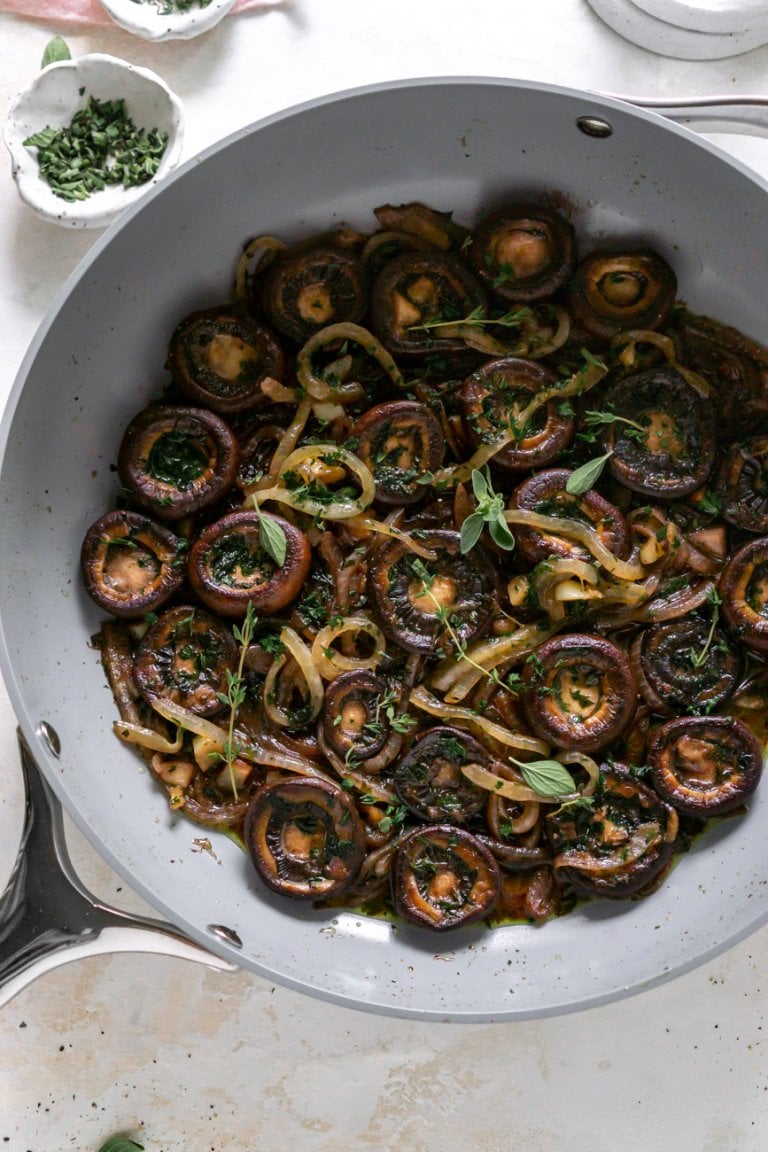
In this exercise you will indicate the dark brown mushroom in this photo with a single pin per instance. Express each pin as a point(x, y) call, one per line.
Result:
point(545, 493)
point(312, 286)
point(130, 564)
point(743, 588)
point(663, 442)
point(256, 451)
point(399, 441)
point(415, 295)
point(705, 765)
point(177, 459)
point(429, 781)
point(686, 665)
point(229, 566)
point(186, 657)
point(579, 691)
point(419, 603)
point(618, 845)
point(305, 838)
point(355, 722)
point(741, 484)
point(444, 877)
point(493, 399)
point(524, 252)
point(218, 358)
point(611, 292)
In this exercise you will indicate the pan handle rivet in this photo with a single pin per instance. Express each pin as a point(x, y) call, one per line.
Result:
point(50, 737)
point(594, 126)
point(228, 935)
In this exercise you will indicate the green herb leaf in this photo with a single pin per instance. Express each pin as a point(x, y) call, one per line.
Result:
point(273, 540)
point(471, 531)
point(501, 535)
point(585, 477)
point(547, 777)
point(120, 1144)
point(55, 49)
point(479, 485)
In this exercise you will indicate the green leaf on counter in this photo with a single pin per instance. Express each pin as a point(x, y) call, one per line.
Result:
point(120, 1144)
point(55, 49)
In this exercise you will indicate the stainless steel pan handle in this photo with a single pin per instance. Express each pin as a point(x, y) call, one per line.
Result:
point(740, 115)
point(47, 915)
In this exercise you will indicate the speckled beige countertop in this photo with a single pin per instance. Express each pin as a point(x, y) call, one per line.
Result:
point(182, 1057)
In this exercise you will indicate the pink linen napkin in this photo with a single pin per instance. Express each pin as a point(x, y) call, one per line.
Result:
point(90, 11)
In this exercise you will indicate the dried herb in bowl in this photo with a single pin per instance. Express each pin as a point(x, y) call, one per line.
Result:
point(100, 146)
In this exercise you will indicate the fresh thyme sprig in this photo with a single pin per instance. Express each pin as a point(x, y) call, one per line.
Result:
point(234, 696)
point(713, 598)
point(593, 419)
point(477, 319)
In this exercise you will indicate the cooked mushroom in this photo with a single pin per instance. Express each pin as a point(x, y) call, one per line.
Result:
point(186, 657)
point(309, 287)
point(663, 440)
point(429, 781)
point(421, 604)
point(493, 401)
point(229, 566)
point(614, 291)
point(545, 492)
point(305, 838)
point(705, 765)
point(219, 356)
point(130, 564)
point(616, 846)
point(443, 877)
point(417, 294)
point(686, 665)
point(523, 252)
point(579, 691)
point(400, 441)
point(177, 459)
point(743, 587)
point(742, 484)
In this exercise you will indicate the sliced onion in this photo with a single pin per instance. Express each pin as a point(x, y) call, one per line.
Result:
point(147, 737)
point(301, 458)
point(294, 647)
point(330, 663)
point(458, 675)
point(509, 789)
point(465, 716)
point(643, 838)
point(286, 445)
point(269, 246)
point(317, 384)
point(628, 340)
point(368, 524)
point(576, 530)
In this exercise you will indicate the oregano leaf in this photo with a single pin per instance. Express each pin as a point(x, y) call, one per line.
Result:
point(500, 533)
point(471, 531)
point(547, 777)
point(273, 540)
point(585, 477)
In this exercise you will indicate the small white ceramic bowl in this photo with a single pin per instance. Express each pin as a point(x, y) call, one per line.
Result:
point(146, 18)
point(58, 92)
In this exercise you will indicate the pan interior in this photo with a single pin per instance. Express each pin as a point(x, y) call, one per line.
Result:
point(457, 145)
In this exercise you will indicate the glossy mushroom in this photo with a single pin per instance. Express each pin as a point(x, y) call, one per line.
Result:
point(186, 657)
point(705, 765)
point(686, 665)
point(443, 877)
point(579, 691)
point(305, 838)
point(663, 443)
point(617, 846)
point(523, 252)
point(493, 401)
point(219, 356)
point(229, 566)
point(177, 459)
point(743, 588)
point(741, 484)
point(130, 564)
point(429, 780)
point(419, 603)
point(400, 441)
point(545, 493)
point(611, 292)
point(310, 287)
